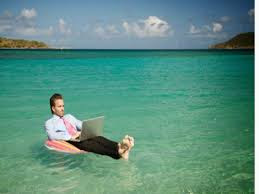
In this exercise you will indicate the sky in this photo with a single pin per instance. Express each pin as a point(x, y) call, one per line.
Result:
point(126, 24)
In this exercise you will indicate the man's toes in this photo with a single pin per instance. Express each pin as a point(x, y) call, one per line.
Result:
point(131, 140)
point(125, 141)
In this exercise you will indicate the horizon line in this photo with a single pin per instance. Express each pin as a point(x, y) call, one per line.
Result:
point(121, 49)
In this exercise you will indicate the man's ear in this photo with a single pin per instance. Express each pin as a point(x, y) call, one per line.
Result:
point(52, 108)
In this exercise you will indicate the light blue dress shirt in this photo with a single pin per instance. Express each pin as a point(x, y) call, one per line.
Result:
point(56, 129)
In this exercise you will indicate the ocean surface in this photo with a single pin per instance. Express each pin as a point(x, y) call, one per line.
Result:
point(191, 113)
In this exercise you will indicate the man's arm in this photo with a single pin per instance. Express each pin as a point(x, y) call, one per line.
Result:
point(75, 137)
point(56, 134)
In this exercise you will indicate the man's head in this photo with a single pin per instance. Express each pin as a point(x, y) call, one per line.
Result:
point(57, 105)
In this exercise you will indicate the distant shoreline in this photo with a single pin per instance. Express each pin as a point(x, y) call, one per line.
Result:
point(205, 49)
point(240, 41)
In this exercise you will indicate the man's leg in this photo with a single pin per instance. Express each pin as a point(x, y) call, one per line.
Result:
point(99, 145)
point(106, 142)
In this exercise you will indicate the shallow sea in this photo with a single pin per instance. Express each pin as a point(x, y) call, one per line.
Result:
point(191, 113)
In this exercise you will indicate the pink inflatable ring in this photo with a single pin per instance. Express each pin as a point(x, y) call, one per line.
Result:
point(62, 146)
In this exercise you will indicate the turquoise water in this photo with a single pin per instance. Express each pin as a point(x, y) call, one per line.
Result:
point(191, 113)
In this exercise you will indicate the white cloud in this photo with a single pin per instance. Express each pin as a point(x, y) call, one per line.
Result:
point(100, 31)
point(107, 32)
point(217, 27)
point(194, 30)
point(33, 31)
point(126, 27)
point(5, 28)
point(206, 31)
point(22, 24)
point(225, 19)
point(63, 28)
point(251, 12)
point(30, 31)
point(6, 22)
point(28, 13)
point(210, 35)
point(112, 29)
point(151, 27)
point(214, 30)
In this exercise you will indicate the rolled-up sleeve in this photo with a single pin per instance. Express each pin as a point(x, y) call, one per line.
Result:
point(55, 134)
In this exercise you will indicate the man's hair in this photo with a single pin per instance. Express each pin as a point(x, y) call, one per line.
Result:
point(52, 100)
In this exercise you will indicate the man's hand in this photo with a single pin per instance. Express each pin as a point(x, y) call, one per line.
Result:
point(74, 137)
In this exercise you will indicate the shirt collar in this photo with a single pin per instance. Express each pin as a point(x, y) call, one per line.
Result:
point(56, 116)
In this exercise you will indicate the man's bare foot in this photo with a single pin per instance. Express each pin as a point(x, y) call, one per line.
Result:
point(123, 150)
point(125, 146)
point(129, 141)
point(125, 155)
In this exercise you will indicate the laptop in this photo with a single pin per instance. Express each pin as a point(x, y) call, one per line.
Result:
point(91, 128)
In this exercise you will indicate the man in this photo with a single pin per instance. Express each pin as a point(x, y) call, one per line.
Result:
point(67, 127)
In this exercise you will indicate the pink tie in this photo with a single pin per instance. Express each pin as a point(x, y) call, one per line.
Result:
point(70, 128)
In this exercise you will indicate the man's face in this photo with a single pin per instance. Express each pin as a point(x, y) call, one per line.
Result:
point(58, 109)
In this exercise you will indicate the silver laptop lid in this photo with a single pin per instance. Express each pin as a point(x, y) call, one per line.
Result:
point(92, 127)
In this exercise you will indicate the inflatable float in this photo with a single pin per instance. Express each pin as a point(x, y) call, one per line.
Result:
point(62, 146)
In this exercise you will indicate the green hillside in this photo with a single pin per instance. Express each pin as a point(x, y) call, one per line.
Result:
point(241, 41)
point(19, 43)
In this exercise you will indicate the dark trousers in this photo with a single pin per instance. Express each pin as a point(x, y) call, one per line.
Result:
point(98, 145)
